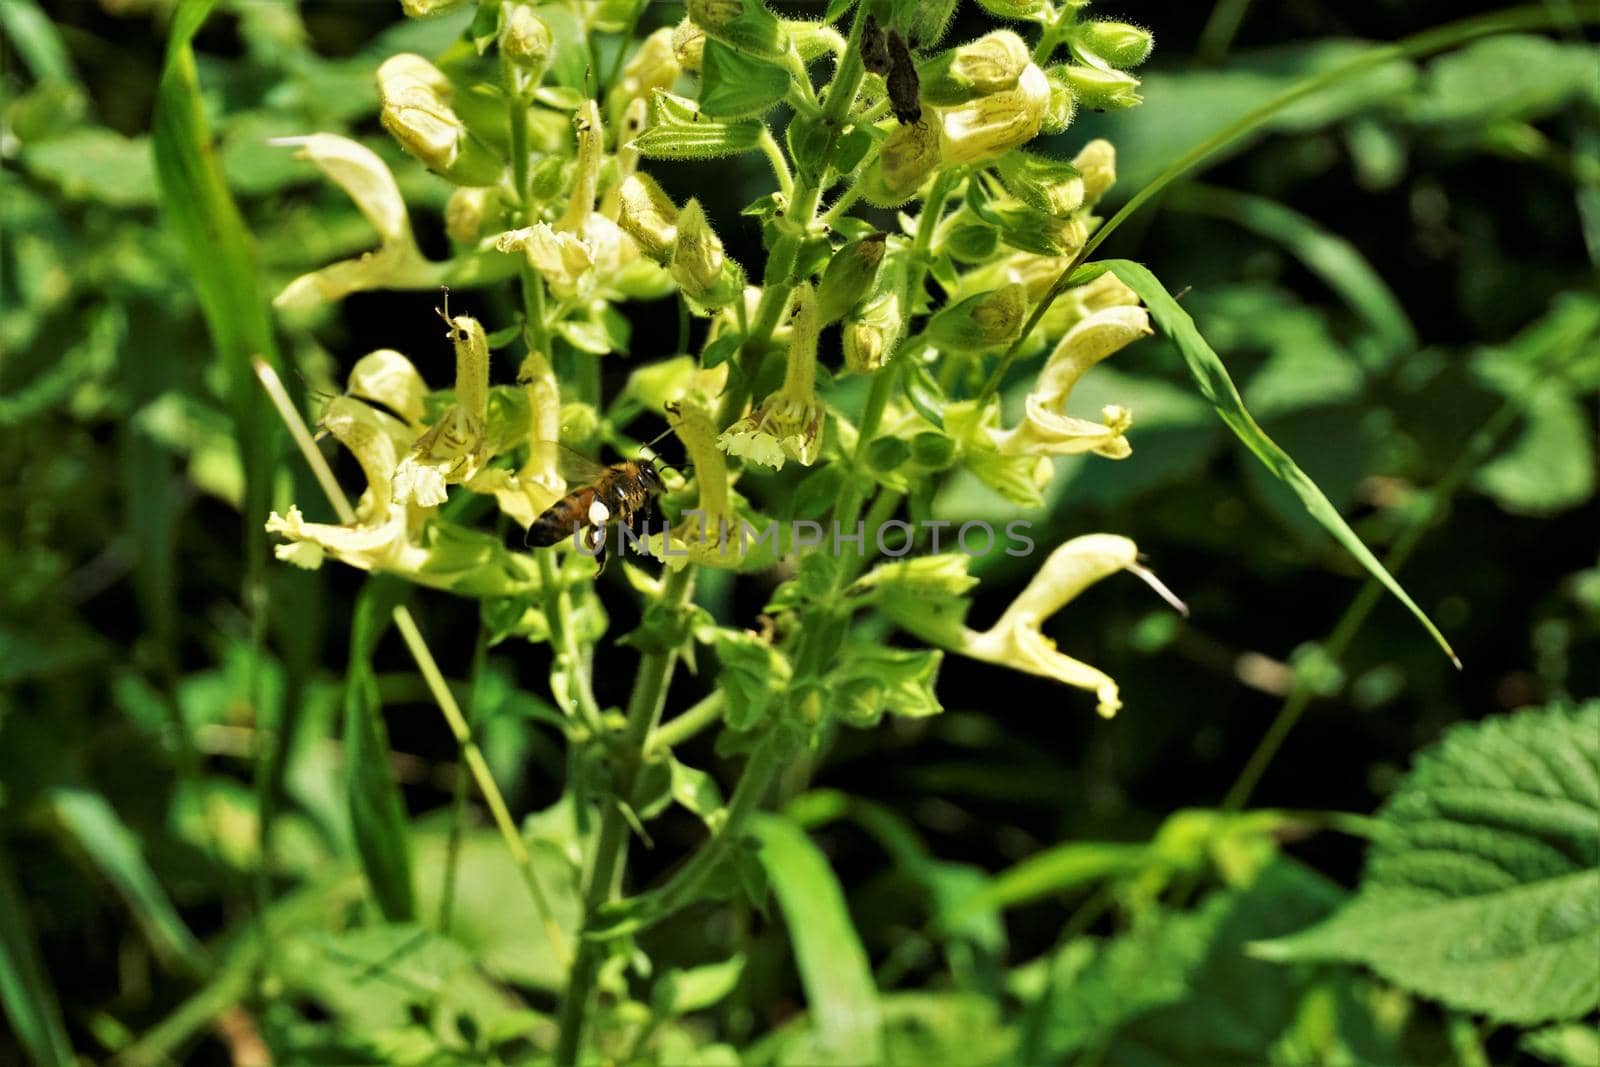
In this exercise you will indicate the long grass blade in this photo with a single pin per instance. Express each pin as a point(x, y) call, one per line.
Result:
point(1215, 385)
point(25, 990)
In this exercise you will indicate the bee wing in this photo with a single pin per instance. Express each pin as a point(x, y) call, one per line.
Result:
point(575, 467)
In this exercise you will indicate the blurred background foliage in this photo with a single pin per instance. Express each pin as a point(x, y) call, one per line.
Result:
point(1401, 274)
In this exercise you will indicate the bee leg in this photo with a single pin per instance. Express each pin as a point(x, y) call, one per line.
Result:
point(597, 541)
point(639, 524)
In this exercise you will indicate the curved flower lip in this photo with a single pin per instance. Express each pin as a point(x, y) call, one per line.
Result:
point(397, 263)
point(992, 125)
point(1016, 639)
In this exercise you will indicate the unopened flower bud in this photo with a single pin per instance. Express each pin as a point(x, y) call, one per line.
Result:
point(744, 25)
point(689, 45)
point(524, 38)
point(698, 264)
point(646, 214)
point(416, 110)
point(982, 321)
point(464, 213)
point(1103, 90)
point(871, 330)
point(991, 64)
point(814, 39)
point(1062, 107)
point(992, 125)
point(1097, 162)
point(850, 273)
point(1118, 43)
point(909, 155)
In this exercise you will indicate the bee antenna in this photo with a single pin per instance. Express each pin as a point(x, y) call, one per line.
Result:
point(650, 443)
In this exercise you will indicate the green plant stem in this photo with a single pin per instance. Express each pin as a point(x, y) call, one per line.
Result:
point(644, 712)
point(680, 729)
point(1531, 17)
point(780, 166)
point(1220, 28)
point(563, 638)
point(458, 796)
point(803, 197)
point(1344, 631)
point(431, 674)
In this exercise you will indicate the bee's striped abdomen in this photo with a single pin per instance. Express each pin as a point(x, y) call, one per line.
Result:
point(563, 518)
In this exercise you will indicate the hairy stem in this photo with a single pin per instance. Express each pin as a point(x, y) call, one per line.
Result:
point(644, 712)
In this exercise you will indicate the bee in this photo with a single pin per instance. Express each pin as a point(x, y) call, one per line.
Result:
point(623, 493)
point(886, 54)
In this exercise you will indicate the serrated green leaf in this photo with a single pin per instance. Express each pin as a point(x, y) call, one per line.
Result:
point(1483, 888)
point(1215, 385)
point(840, 994)
point(734, 85)
point(678, 130)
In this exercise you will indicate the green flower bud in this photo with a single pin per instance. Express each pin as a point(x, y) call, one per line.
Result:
point(524, 38)
point(982, 321)
point(992, 125)
point(745, 25)
point(850, 272)
point(991, 64)
point(814, 40)
point(1118, 43)
point(909, 155)
point(416, 111)
point(698, 264)
point(1103, 90)
point(872, 330)
point(647, 214)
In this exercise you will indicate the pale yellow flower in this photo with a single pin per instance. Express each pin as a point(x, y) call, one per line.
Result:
point(397, 263)
point(990, 126)
point(789, 422)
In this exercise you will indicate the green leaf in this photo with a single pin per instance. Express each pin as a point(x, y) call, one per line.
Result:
point(752, 671)
point(678, 130)
point(25, 990)
point(734, 85)
point(1571, 1044)
point(1179, 988)
point(114, 849)
point(377, 810)
point(837, 8)
point(922, 392)
point(1059, 869)
point(34, 36)
point(696, 790)
point(873, 680)
point(1215, 385)
point(96, 164)
point(1482, 889)
point(840, 994)
point(1506, 78)
point(697, 988)
point(202, 215)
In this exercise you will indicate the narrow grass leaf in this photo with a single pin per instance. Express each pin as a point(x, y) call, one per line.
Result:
point(112, 847)
point(1215, 385)
point(34, 36)
point(25, 990)
point(377, 811)
point(1065, 867)
point(833, 966)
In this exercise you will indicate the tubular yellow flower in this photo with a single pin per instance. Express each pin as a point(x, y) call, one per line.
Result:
point(789, 422)
point(1097, 162)
point(698, 264)
point(396, 264)
point(654, 66)
point(648, 215)
point(538, 484)
point(992, 125)
point(416, 110)
point(1017, 641)
point(1046, 430)
point(909, 154)
point(991, 64)
point(386, 377)
point(454, 449)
